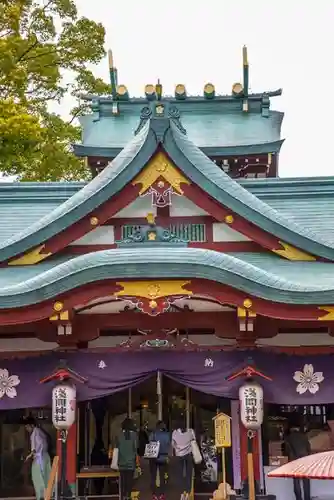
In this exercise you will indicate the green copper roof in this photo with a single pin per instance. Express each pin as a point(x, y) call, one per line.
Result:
point(209, 124)
point(306, 200)
point(196, 166)
point(287, 282)
point(201, 170)
point(87, 199)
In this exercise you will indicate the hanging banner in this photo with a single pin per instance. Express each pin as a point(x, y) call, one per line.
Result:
point(63, 405)
point(236, 459)
point(305, 380)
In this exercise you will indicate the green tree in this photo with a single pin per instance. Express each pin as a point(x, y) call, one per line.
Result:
point(45, 48)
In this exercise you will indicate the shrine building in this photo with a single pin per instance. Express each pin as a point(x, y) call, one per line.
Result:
point(185, 259)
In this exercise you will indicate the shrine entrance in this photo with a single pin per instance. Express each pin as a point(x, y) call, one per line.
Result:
point(158, 398)
point(99, 423)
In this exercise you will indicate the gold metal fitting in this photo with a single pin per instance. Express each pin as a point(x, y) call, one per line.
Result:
point(229, 219)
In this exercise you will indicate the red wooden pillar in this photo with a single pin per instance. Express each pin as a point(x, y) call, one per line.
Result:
point(71, 459)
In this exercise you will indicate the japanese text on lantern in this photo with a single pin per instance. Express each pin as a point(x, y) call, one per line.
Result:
point(251, 404)
point(60, 408)
point(222, 424)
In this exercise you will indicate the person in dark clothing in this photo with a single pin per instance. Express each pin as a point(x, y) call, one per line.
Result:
point(127, 453)
point(99, 456)
point(161, 462)
point(142, 441)
point(297, 445)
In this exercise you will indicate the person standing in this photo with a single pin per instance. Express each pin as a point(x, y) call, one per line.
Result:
point(39, 454)
point(160, 463)
point(297, 445)
point(127, 454)
point(181, 443)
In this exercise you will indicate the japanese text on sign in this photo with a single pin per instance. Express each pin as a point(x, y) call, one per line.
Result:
point(222, 424)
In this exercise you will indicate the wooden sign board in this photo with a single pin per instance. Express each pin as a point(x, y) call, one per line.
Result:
point(222, 425)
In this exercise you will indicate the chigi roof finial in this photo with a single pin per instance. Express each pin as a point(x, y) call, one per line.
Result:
point(158, 90)
point(113, 74)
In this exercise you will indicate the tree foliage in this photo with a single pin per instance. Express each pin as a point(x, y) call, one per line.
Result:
point(45, 48)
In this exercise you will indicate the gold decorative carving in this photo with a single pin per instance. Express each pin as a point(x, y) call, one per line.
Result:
point(160, 109)
point(58, 306)
point(330, 313)
point(33, 257)
point(248, 303)
point(152, 236)
point(150, 217)
point(63, 316)
point(152, 290)
point(243, 313)
point(291, 253)
point(160, 166)
point(229, 219)
point(94, 221)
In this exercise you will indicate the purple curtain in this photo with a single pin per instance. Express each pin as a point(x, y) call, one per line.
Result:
point(295, 379)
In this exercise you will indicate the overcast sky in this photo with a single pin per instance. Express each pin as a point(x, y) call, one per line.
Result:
point(290, 45)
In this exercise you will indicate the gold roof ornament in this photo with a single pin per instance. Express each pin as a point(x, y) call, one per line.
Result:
point(229, 219)
point(122, 92)
point(237, 89)
point(209, 91)
point(159, 109)
point(158, 90)
point(150, 91)
point(180, 91)
point(247, 303)
point(150, 217)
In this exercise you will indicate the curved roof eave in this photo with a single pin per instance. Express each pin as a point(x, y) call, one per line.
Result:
point(246, 149)
point(92, 195)
point(172, 263)
point(227, 191)
point(196, 166)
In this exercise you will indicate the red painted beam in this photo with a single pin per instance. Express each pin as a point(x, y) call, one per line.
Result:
point(222, 293)
point(219, 212)
point(162, 220)
point(84, 226)
point(184, 320)
point(229, 246)
point(218, 246)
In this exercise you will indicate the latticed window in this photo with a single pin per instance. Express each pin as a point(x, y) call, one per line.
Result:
point(186, 232)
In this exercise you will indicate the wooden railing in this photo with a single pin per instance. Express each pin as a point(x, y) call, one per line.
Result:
point(53, 480)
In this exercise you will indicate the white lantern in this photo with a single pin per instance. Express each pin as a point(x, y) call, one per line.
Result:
point(64, 398)
point(251, 405)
